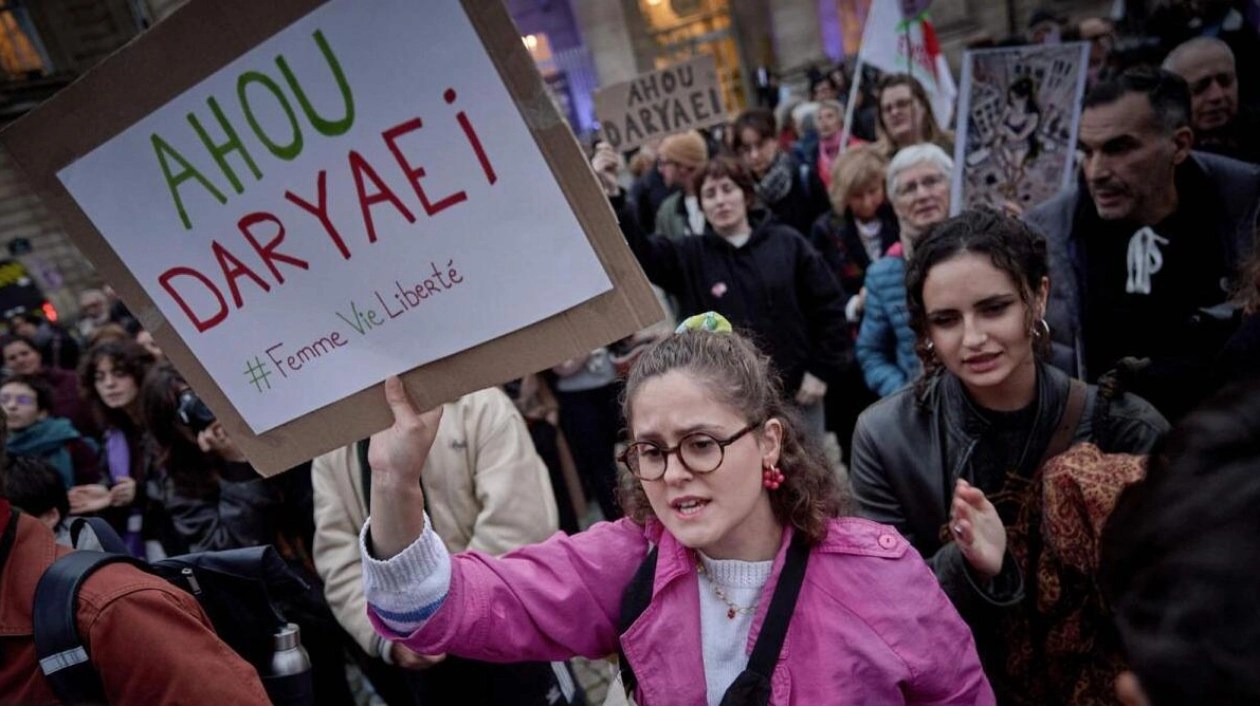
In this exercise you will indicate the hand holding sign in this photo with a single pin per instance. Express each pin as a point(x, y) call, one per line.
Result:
point(606, 164)
point(397, 456)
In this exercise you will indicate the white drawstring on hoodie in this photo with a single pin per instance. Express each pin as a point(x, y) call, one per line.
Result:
point(1145, 259)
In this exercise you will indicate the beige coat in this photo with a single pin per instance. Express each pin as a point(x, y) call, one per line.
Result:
point(485, 487)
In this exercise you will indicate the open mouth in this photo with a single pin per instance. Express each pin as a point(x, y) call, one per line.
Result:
point(688, 507)
point(981, 363)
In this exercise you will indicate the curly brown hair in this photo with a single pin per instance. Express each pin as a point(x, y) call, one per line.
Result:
point(127, 357)
point(1010, 244)
point(742, 378)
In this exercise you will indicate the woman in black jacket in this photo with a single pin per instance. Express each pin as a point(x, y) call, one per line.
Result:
point(760, 274)
point(792, 190)
point(205, 495)
point(945, 461)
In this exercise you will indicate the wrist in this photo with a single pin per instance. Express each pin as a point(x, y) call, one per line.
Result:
point(395, 482)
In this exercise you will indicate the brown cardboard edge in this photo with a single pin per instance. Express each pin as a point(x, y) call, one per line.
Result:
point(71, 124)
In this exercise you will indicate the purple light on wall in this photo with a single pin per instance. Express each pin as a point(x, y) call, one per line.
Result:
point(829, 28)
point(555, 19)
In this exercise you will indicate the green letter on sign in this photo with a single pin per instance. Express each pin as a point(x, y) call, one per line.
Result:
point(327, 127)
point(284, 152)
point(187, 171)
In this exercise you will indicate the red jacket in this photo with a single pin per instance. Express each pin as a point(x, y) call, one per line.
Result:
point(150, 642)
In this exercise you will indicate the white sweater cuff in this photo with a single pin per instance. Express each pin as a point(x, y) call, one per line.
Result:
point(408, 588)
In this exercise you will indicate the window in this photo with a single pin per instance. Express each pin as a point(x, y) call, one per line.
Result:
point(22, 55)
point(682, 29)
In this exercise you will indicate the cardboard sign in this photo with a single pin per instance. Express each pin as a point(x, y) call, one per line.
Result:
point(1018, 118)
point(300, 198)
point(683, 97)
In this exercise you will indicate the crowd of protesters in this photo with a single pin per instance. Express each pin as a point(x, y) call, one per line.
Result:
point(1046, 421)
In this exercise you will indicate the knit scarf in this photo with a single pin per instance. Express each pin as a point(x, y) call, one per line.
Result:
point(47, 439)
point(777, 182)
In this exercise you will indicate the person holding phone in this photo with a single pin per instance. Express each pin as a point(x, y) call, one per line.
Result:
point(204, 494)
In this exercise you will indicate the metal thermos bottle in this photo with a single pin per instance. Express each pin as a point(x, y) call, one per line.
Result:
point(289, 680)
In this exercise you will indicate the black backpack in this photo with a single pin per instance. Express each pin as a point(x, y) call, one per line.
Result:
point(236, 588)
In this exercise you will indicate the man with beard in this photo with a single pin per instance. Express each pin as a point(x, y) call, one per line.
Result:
point(1143, 254)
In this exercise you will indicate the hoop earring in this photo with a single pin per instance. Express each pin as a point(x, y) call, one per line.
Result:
point(1040, 329)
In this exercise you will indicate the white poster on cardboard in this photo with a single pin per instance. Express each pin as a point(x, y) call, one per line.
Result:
point(353, 198)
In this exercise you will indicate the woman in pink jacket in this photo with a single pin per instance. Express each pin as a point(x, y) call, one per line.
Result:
point(730, 505)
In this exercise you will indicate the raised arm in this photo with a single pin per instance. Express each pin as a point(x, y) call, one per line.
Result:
point(658, 255)
point(542, 602)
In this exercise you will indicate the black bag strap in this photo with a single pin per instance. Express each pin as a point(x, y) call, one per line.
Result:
point(634, 601)
point(104, 532)
point(62, 656)
point(1068, 422)
point(765, 654)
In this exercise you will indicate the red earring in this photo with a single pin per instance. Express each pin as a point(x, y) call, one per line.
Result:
point(772, 478)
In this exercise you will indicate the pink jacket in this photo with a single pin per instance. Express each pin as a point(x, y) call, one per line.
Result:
point(871, 626)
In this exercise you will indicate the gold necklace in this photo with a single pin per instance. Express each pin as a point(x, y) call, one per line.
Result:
point(732, 609)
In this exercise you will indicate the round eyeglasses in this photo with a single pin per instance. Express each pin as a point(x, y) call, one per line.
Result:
point(698, 452)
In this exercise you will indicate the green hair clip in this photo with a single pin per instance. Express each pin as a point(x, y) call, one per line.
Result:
point(709, 321)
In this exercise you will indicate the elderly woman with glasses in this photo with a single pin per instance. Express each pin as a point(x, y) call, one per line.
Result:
point(729, 509)
point(918, 183)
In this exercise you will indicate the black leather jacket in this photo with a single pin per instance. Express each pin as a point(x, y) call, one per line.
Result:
point(907, 456)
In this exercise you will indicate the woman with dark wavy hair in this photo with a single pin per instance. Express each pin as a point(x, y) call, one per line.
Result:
point(204, 493)
point(109, 378)
point(728, 504)
point(946, 461)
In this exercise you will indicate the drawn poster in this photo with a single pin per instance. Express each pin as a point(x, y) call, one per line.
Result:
point(1018, 115)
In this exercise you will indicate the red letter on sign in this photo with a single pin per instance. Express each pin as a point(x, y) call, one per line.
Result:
point(321, 212)
point(362, 169)
point(414, 174)
point(268, 252)
point(202, 324)
point(237, 269)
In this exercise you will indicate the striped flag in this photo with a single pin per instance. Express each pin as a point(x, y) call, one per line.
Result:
point(897, 41)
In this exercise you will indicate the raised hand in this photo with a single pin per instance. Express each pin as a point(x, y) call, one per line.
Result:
point(215, 440)
point(978, 529)
point(606, 163)
point(397, 455)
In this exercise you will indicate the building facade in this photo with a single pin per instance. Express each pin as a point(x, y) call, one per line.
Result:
point(751, 37)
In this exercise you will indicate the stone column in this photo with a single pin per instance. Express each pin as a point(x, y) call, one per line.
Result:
point(797, 41)
point(605, 30)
